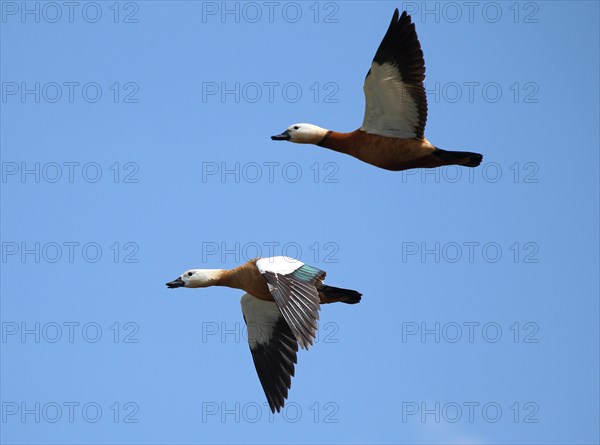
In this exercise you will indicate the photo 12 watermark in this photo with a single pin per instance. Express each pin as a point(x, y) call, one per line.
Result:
point(69, 412)
point(514, 172)
point(522, 12)
point(270, 12)
point(69, 172)
point(239, 332)
point(255, 412)
point(490, 92)
point(74, 332)
point(61, 12)
point(253, 92)
point(51, 252)
point(70, 92)
point(315, 252)
point(270, 172)
point(470, 332)
point(491, 252)
point(486, 412)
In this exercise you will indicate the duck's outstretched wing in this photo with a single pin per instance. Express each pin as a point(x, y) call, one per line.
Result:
point(396, 104)
point(292, 285)
point(273, 347)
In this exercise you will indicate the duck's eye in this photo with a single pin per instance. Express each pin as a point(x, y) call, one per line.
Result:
point(296, 127)
point(190, 274)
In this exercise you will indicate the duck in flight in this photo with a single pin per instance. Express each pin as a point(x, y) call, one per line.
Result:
point(392, 133)
point(281, 309)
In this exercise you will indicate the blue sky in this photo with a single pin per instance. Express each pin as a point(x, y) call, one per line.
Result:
point(135, 145)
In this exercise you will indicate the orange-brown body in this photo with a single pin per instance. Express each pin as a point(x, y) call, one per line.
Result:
point(386, 152)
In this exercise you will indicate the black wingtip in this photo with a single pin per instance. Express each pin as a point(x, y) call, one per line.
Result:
point(274, 363)
point(397, 18)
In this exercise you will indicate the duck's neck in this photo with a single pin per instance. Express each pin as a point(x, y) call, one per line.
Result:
point(340, 142)
point(212, 277)
point(234, 278)
point(221, 277)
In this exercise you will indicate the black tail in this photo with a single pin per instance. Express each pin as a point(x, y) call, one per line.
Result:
point(465, 158)
point(335, 294)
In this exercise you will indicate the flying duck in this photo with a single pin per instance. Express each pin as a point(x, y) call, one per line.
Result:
point(392, 133)
point(280, 307)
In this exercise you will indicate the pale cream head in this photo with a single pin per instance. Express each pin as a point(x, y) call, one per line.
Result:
point(302, 134)
point(196, 278)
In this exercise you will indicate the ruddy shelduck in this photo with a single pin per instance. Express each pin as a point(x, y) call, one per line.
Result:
point(281, 310)
point(392, 134)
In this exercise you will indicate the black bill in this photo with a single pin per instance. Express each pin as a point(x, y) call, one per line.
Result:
point(285, 136)
point(175, 283)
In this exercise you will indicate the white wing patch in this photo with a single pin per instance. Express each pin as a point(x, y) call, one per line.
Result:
point(390, 110)
point(261, 318)
point(281, 265)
